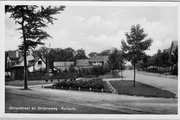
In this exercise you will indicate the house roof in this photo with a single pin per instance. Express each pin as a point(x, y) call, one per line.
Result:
point(63, 64)
point(12, 54)
point(32, 62)
point(99, 58)
point(82, 62)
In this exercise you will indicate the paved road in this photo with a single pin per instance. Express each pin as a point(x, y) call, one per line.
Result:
point(90, 101)
point(165, 83)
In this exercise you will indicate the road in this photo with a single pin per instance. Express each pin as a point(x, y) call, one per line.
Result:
point(85, 102)
point(166, 83)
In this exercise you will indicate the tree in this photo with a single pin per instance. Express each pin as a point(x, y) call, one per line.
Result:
point(72, 69)
point(105, 52)
point(144, 62)
point(69, 54)
point(32, 19)
point(42, 51)
point(136, 45)
point(80, 54)
point(115, 59)
point(92, 54)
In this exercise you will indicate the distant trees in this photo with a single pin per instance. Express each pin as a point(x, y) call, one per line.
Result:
point(80, 54)
point(92, 54)
point(66, 54)
point(136, 45)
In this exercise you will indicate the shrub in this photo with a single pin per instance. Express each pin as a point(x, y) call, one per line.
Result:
point(92, 83)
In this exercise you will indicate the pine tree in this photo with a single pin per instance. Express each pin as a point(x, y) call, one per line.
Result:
point(32, 19)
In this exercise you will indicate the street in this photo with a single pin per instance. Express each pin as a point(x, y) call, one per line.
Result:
point(83, 102)
point(166, 83)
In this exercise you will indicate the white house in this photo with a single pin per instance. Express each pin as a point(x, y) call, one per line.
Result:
point(36, 64)
point(33, 63)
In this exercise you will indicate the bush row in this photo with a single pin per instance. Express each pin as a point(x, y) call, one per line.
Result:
point(83, 84)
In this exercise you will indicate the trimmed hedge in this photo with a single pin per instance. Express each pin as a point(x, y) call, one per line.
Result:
point(92, 83)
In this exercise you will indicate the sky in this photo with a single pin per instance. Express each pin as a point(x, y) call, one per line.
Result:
point(97, 28)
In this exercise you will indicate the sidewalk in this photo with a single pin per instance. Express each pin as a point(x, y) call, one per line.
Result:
point(158, 75)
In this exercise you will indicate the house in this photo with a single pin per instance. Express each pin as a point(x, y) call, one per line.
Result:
point(98, 60)
point(11, 59)
point(33, 64)
point(63, 65)
point(91, 63)
point(37, 64)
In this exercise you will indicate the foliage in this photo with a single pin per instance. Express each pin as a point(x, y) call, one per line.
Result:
point(80, 54)
point(136, 45)
point(92, 54)
point(72, 69)
point(115, 60)
point(83, 84)
point(105, 52)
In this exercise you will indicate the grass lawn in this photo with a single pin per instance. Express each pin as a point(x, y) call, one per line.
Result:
point(126, 88)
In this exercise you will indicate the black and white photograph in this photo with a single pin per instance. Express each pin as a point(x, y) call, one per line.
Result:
point(87, 58)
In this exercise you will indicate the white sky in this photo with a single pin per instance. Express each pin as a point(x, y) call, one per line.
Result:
point(97, 28)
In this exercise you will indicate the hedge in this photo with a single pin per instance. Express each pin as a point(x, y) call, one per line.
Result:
point(92, 83)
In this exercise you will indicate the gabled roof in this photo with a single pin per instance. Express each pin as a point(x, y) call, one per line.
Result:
point(12, 54)
point(32, 62)
point(63, 64)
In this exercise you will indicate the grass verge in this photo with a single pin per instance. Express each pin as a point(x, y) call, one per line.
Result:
point(126, 88)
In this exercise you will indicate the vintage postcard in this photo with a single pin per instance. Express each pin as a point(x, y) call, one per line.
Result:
point(90, 59)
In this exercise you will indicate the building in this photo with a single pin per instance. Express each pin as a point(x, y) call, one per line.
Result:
point(92, 62)
point(11, 58)
point(63, 66)
point(98, 60)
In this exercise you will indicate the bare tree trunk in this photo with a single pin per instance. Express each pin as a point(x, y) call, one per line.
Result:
point(134, 73)
point(25, 60)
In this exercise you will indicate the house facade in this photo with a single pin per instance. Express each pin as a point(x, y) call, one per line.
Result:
point(11, 58)
point(91, 63)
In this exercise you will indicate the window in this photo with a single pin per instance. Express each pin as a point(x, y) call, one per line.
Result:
point(39, 62)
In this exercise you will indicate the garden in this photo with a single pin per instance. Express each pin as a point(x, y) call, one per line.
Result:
point(84, 84)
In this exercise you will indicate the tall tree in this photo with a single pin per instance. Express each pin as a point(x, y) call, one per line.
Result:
point(136, 45)
point(32, 19)
point(80, 54)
